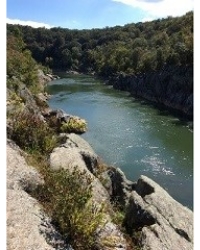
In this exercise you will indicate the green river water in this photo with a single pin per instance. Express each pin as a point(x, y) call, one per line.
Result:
point(130, 134)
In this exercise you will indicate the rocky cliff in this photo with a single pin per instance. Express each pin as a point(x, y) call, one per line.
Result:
point(172, 87)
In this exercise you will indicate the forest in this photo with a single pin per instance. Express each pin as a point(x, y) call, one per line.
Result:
point(132, 48)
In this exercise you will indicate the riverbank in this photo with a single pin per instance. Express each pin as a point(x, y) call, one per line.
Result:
point(170, 88)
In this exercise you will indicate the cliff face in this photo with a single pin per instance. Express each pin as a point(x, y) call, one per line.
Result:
point(171, 87)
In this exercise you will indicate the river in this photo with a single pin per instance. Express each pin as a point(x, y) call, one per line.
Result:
point(131, 134)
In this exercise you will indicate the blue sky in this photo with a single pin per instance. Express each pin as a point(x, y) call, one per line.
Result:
point(81, 14)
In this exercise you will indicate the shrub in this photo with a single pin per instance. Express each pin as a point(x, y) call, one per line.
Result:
point(31, 133)
point(68, 202)
point(74, 125)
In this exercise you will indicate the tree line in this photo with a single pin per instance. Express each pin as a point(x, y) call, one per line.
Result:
point(132, 48)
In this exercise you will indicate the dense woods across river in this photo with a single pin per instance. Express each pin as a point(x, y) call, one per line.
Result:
point(133, 48)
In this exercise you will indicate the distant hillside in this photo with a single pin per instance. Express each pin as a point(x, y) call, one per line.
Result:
point(133, 48)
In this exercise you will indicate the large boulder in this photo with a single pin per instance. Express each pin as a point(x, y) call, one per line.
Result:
point(74, 152)
point(164, 223)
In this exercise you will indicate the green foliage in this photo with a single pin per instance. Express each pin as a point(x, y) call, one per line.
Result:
point(74, 125)
point(107, 51)
point(20, 63)
point(33, 134)
point(68, 201)
point(118, 217)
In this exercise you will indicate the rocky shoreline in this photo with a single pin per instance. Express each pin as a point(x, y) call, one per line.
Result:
point(171, 87)
point(150, 212)
point(162, 222)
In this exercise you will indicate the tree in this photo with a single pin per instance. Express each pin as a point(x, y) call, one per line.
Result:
point(160, 58)
point(136, 55)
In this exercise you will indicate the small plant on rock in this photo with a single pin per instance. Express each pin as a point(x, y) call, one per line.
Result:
point(33, 134)
point(68, 202)
point(74, 125)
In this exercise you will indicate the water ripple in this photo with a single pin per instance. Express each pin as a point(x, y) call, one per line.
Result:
point(157, 166)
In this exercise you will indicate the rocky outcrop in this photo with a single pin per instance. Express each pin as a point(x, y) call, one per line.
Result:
point(117, 185)
point(163, 222)
point(76, 153)
point(45, 78)
point(73, 72)
point(171, 87)
point(27, 225)
point(65, 122)
point(22, 102)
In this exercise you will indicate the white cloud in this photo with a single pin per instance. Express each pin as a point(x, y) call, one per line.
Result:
point(161, 8)
point(28, 23)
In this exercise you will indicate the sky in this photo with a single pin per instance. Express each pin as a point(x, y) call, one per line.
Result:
point(87, 14)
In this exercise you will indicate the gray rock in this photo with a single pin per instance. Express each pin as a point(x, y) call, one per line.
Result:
point(106, 181)
point(110, 238)
point(117, 185)
point(27, 225)
point(73, 72)
point(88, 154)
point(80, 142)
point(66, 158)
point(19, 175)
point(59, 114)
point(52, 77)
point(81, 147)
point(41, 99)
point(164, 223)
point(72, 155)
point(43, 79)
